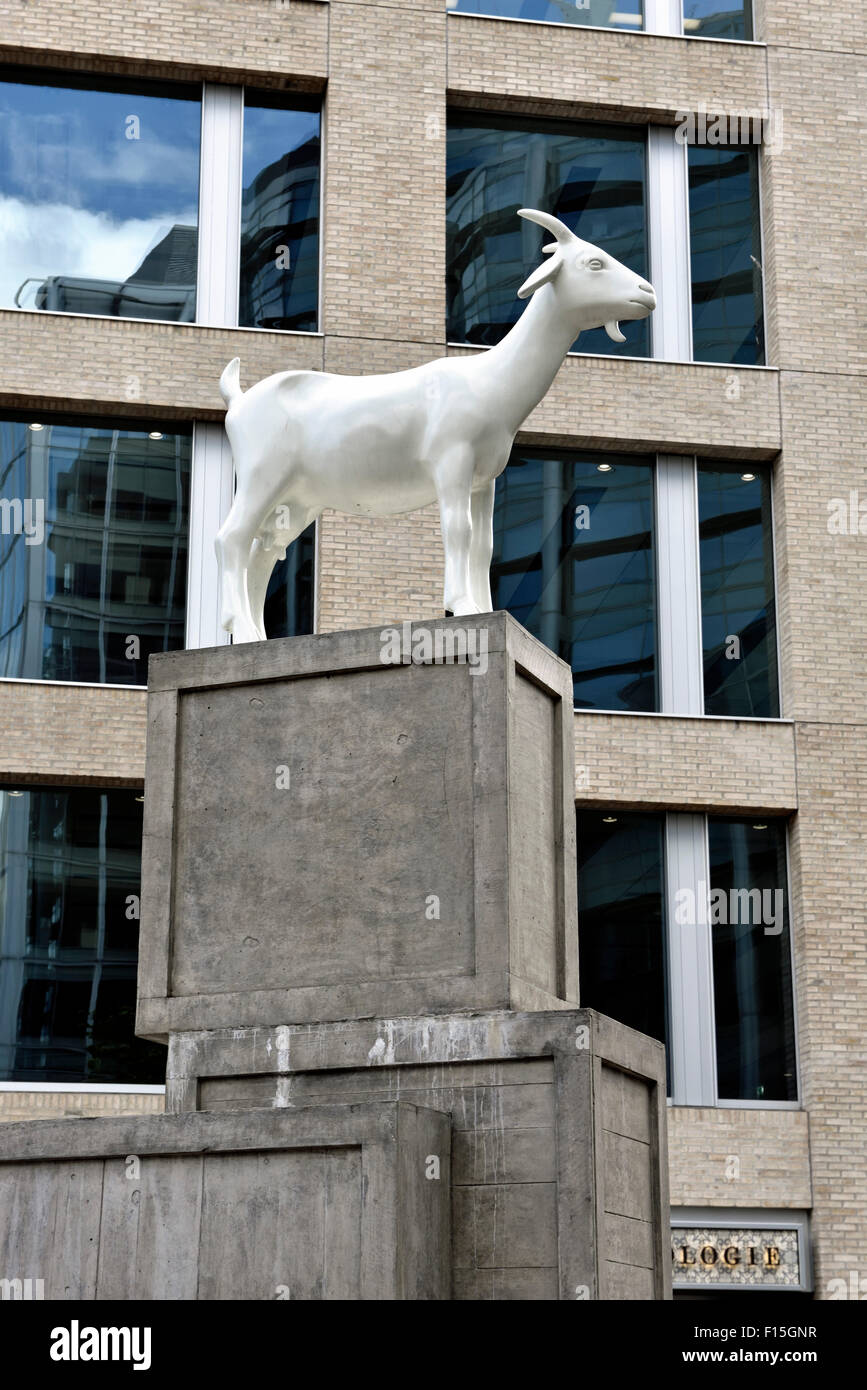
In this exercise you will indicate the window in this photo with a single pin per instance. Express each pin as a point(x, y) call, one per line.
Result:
point(718, 19)
point(592, 177)
point(739, 635)
point(684, 934)
point(613, 14)
point(725, 251)
point(99, 183)
point(752, 961)
point(69, 893)
point(574, 562)
point(621, 916)
point(93, 549)
point(280, 214)
point(289, 599)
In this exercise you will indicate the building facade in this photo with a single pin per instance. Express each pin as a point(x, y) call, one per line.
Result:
point(333, 186)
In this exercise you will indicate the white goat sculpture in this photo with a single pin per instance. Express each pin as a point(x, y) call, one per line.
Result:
point(303, 441)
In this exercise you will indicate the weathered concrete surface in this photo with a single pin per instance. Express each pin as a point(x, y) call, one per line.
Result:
point(334, 1202)
point(559, 1152)
point(328, 835)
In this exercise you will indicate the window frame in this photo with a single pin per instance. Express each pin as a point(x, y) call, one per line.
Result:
point(221, 144)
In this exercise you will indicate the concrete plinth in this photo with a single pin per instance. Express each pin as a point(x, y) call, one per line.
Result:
point(329, 835)
point(335, 1202)
point(559, 1157)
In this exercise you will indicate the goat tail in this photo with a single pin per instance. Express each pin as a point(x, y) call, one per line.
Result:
point(230, 382)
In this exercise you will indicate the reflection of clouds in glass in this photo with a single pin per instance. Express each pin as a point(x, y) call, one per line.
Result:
point(55, 239)
point(93, 164)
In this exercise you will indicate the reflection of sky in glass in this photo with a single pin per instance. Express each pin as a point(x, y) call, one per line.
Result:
point(79, 198)
point(717, 19)
point(725, 249)
point(615, 14)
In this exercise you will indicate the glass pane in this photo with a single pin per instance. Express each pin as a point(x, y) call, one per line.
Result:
point(289, 598)
point(738, 609)
point(621, 924)
point(99, 195)
point(609, 14)
point(69, 891)
point(725, 253)
point(280, 214)
point(718, 19)
point(574, 562)
point(93, 553)
point(591, 177)
point(752, 961)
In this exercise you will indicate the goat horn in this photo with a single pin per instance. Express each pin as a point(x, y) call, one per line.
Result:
point(558, 229)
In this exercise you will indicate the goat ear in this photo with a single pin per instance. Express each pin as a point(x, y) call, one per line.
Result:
point(558, 229)
point(541, 275)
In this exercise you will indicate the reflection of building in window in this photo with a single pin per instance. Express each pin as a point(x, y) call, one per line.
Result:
point(69, 890)
point(280, 242)
point(163, 286)
point(607, 14)
point(113, 562)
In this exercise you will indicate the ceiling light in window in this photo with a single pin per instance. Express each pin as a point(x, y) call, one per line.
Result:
point(140, 798)
point(154, 434)
point(748, 477)
point(609, 820)
point(692, 23)
point(604, 468)
point(760, 827)
point(36, 427)
point(16, 793)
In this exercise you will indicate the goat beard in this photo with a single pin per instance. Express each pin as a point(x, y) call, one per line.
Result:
point(612, 328)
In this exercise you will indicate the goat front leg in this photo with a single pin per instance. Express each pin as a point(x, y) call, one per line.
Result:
point(482, 545)
point(454, 480)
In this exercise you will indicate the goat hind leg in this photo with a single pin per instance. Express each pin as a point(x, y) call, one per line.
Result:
point(482, 545)
point(271, 546)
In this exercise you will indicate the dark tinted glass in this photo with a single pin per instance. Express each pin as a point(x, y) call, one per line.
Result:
point(289, 600)
point(726, 254)
point(752, 962)
point(592, 177)
point(609, 14)
point(718, 19)
point(69, 892)
point(738, 611)
point(574, 562)
point(280, 215)
point(102, 583)
point(621, 932)
point(99, 195)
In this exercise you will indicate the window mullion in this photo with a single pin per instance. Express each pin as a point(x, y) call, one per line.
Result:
point(663, 16)
point(692, 1035)
point(211, 487)
point(220, 206)
point(668, 232)
point(681, 676)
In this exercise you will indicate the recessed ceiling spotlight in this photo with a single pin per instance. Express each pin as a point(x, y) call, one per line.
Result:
point(760, 827)
point(16, 793)
point(604, 468)
point(609, 820)
point(36, 427)
point(140, 798)
point(748, 477)
point(154, 434)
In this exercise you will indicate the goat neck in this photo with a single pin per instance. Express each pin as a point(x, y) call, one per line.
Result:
point(523, 365)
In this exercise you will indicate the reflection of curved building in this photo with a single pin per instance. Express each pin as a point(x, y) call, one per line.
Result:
point(163, 286)
point(280, 209)
point(113, 561)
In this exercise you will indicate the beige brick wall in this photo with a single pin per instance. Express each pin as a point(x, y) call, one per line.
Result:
point(71, 733)
point(739, 1158)
point(63, 1105)
point(658, 762)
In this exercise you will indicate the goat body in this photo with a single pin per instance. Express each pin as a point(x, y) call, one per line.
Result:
point(305, 441)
